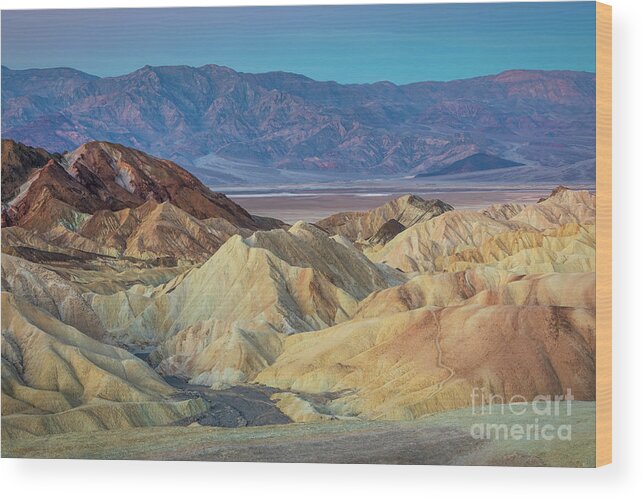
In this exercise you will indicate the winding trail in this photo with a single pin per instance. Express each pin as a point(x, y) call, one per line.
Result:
point(439, 386)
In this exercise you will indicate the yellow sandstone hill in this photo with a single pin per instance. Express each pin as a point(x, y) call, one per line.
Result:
point(55, 379)
point(222, 323)
point(426, 247)
point(563, 206)
point(48, 291)
point(407, 210)
point(557, 234)
point(503, 211)
point(402, 357)
point(482, 285)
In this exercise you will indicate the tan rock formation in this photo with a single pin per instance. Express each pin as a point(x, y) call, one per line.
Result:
point(482, 285)
point(503, 211)
point(156, 230)
point(57, 379)
point(405, 365)
point(439, 290)
point(225, 321)
point(300, 410)
point(557, 234)
point(563, 206)
point(426, 246)
point(151, 232)
point(555, 289)
point(408, 210)
point(50, 292)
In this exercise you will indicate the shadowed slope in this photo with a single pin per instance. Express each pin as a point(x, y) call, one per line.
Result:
point(18, 163)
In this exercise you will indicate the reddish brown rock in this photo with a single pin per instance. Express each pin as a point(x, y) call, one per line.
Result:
point(18, 163)
point(105, 176)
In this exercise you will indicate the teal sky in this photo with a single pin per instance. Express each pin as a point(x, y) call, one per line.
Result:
point(348, 44)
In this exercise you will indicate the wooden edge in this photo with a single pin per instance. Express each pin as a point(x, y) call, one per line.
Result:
point(603, 234)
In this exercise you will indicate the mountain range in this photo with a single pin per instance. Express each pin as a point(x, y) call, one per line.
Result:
point(217, 122)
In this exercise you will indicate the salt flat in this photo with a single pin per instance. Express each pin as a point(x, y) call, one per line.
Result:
point(311, 202)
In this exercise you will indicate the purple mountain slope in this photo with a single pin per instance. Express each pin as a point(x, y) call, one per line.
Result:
point(544, 119)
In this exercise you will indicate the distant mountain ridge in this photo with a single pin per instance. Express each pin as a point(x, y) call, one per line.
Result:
point(474, 163)
point(545, 119)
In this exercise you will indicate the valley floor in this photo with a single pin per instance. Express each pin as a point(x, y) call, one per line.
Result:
point(443, 438)
point(237, 406)
point(313, 202)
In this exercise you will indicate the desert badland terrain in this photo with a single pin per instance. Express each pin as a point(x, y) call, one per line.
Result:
point(141, 310)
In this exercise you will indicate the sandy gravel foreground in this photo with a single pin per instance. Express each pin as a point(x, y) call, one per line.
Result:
point(443, 438)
